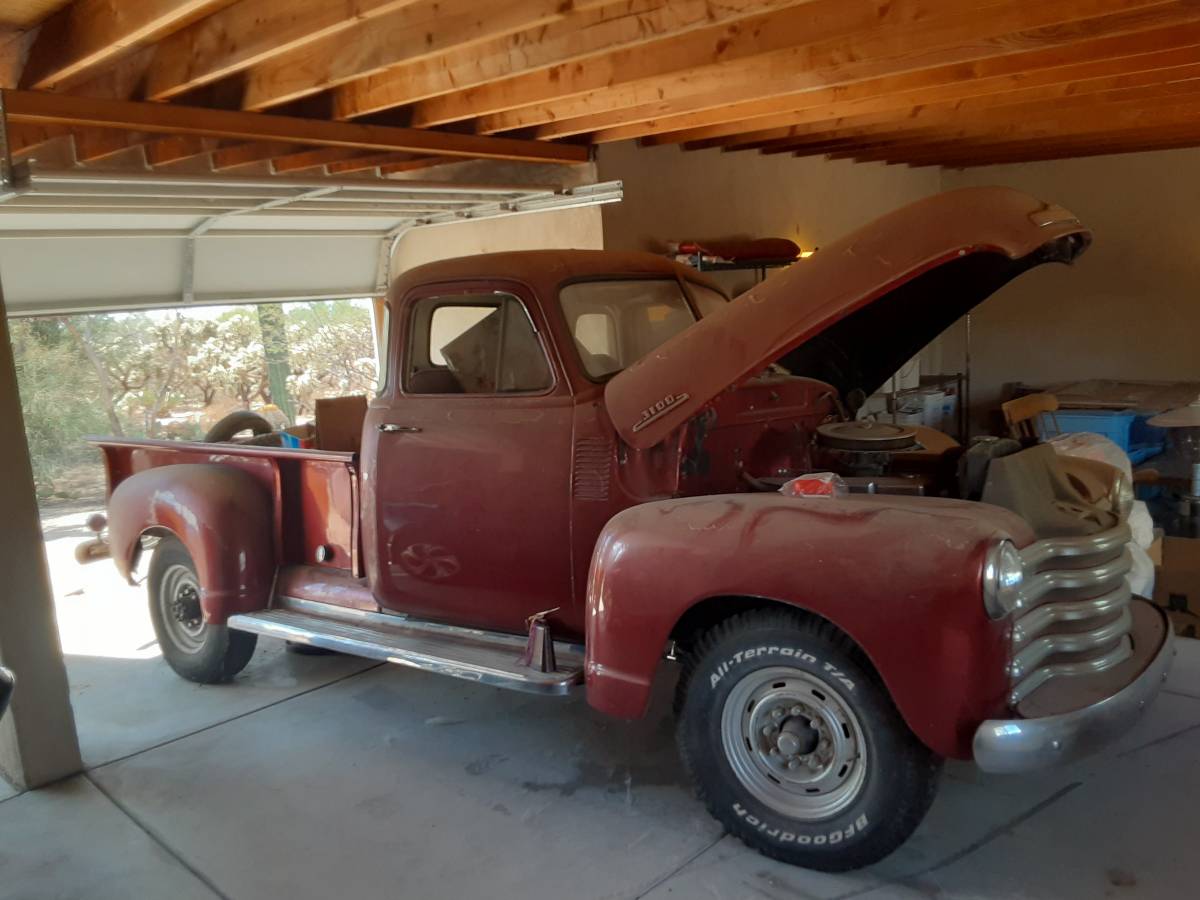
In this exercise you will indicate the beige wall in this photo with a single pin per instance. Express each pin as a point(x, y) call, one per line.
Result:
point(561, 229)
point(672, 194)
point(1130, 307)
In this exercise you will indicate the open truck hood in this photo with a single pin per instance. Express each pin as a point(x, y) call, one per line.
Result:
point(853, 313)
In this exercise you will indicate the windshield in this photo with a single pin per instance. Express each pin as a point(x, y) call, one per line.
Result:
point(617, 322)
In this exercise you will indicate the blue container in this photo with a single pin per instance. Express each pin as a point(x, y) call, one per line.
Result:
point(1113, 424)
point(1125, 428)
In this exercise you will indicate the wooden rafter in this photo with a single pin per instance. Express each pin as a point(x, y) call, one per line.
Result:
point(795, 50)
point(251, 33)
point(89, 33)
point(916, 81)
point(582, 34)
point(37, 107)
point(413, 32)
point(1111, 54)
point(1047, 119)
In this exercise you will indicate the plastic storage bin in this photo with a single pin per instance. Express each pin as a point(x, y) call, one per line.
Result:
point(1125, 428)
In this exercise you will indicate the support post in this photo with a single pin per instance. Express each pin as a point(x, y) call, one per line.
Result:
point(38, 743)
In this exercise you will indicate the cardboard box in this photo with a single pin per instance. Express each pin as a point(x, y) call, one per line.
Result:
point(1177, 584)
point(340, 423)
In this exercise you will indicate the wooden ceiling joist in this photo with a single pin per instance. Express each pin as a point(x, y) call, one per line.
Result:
point(1156, 87)
point(89, 33)
point(1009, 71)
point(794, 50)
point(1047, 120)
point(251, 33)
point(48, 108)
point(414, 32)
point(900, 81)
point(575, 38)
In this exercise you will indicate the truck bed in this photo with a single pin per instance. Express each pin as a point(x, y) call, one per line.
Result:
point(316, 491)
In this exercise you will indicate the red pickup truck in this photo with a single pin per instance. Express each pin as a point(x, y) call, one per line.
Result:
point(573, 471)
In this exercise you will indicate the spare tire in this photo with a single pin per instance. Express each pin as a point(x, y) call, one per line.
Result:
point(236, 422)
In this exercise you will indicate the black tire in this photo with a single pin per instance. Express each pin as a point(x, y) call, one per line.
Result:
point(863, 755)
point(197, 651)
point(236, 422)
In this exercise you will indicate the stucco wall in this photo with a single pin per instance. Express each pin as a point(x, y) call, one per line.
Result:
point(561, 229)
point(1130, 307)
point(671, 194)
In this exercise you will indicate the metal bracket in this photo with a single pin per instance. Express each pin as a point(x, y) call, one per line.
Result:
point(387, 251)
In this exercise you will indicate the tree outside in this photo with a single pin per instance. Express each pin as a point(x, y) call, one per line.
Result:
point(174, 374)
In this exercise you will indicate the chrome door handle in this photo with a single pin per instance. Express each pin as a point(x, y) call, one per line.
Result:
point(389, 428)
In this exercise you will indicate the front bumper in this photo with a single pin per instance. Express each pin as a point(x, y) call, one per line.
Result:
point(1024, 744)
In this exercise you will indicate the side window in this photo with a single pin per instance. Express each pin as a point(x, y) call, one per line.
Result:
point(474, 344)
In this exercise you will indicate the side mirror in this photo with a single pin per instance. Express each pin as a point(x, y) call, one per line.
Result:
point(7, 682)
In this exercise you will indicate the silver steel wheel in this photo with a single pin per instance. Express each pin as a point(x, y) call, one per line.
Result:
point(179, 608)
point(794, 743)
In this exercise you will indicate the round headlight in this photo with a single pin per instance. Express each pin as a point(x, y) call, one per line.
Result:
point(1002, 577)
point(1121, 495)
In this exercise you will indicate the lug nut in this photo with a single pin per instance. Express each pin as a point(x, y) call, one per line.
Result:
point(794, 764)
point(777, 713)
point(774, 751)
point(767, 729)
point(796, 710)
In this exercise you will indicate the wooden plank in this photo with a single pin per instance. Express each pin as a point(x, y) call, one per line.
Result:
point(371, 161)
point(1039, 152)
point(24, 137)
point(412, 165)
point(411, 33)
point(751, 36)
point(164, 151)
point(95, 144)
point(1128, 119)
point(789, 50)
point(89, 33)
point(1086, 107)
point(249, 33)
point(583, 33)
point(1150, 85)
point(38, 107)
point(713, 116)
point(934, 150)
point(245, 154)
point(312, 159)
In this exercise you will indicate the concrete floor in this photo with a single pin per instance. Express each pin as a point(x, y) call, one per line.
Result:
point(317, 777)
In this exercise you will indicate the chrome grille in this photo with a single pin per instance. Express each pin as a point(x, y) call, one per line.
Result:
point(1073, 615)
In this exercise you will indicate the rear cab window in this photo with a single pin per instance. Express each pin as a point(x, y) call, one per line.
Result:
point(616, 322)
point(474, 344)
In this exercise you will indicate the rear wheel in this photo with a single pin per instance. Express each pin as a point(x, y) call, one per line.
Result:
point(795, 745)
point(195, 649)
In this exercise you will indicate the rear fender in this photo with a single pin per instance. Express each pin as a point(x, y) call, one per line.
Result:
point(222, 515)
point(901, 576)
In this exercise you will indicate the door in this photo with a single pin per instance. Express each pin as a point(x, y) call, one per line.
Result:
point(470, 480)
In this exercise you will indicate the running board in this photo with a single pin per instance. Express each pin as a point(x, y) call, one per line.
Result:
point(486, 657)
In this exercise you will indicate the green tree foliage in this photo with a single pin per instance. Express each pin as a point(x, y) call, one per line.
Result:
point(173, 374)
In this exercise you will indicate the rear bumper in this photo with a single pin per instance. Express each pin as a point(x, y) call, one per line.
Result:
point(1025, 744)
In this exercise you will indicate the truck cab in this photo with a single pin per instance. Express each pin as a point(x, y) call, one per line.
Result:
point(580, 463)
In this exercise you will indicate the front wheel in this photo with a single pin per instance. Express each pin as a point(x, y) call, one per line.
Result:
point(795, 745)
point(197, 650)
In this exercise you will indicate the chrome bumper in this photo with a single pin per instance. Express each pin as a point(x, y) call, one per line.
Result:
point(1021, 745)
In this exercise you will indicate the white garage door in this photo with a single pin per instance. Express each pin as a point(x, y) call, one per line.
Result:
point(76, 240)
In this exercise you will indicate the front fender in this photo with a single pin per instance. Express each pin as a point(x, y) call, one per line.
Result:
point(222, 515)
point(900, 575)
